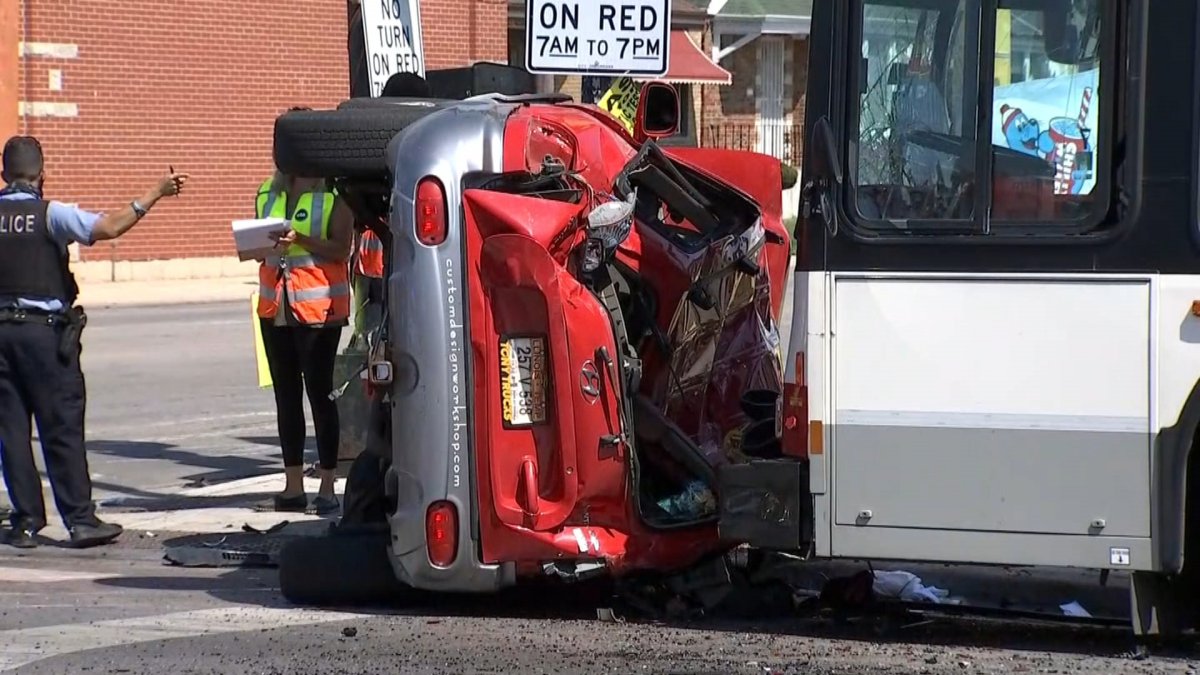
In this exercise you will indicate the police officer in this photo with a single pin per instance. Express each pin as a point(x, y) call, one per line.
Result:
point(39, 344)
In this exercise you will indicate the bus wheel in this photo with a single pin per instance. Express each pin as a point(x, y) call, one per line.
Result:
point(341, 570)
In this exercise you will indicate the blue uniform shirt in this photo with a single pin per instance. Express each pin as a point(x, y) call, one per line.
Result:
point(67, 225)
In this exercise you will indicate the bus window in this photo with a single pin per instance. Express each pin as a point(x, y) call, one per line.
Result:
point(916, 159)
point(1044, 110)
point(914, 120)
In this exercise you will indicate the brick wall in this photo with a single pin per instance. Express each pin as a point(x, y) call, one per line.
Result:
point(799, 92)
point(730, 112)
point(459, 32)
point(731, 106)
point(196, 86)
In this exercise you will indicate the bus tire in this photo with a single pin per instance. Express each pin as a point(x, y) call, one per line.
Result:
point(349, 143)
point(346, 570)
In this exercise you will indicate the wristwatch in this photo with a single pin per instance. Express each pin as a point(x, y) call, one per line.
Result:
point(138, 209)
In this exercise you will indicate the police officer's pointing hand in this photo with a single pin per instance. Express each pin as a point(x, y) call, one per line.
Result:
point(117, 223)
point(172, 184)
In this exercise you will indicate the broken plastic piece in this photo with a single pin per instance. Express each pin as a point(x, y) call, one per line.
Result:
point(1073, 608)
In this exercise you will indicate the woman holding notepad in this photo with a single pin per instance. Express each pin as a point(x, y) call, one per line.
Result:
point(303, 305)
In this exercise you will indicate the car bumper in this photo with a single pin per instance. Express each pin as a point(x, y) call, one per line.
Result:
point(433, 458)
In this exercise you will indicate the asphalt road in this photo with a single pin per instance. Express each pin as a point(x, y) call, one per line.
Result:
point(173, 399)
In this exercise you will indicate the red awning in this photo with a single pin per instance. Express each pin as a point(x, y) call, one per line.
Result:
point(688, 64)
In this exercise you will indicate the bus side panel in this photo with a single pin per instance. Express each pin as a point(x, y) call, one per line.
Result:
point(992, 419)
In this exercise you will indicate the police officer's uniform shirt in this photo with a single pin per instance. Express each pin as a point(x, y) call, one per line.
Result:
point(67, 225)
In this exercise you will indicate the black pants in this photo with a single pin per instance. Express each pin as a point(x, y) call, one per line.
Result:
point(301, 360)
point(35, 382)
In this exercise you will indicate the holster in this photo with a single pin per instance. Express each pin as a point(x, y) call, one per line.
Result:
point(69, 341)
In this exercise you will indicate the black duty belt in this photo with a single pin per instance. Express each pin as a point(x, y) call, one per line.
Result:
point(32, 316)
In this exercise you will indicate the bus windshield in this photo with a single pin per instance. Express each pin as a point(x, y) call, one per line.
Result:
point(920, 88)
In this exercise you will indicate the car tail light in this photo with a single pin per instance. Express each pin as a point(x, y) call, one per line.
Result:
point(795, 413)
point(431, 212)
point(441, 533)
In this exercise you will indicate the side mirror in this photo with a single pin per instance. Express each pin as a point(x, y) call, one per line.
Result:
point(824, 145)
point(658, 112)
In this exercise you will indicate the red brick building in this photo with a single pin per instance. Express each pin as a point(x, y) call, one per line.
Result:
point(118, 90)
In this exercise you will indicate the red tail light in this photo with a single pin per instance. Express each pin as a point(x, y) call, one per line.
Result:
point(431, 212)
point(795, 413)
point(441, 533)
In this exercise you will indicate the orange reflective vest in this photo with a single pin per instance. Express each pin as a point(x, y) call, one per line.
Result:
point(317, 289)
point(370, 256)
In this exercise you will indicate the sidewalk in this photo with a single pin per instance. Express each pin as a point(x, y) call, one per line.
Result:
point(102, 294)
point(213, 509)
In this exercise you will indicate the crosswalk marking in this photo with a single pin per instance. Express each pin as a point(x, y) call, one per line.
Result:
point(28, 645)
point(46, 576)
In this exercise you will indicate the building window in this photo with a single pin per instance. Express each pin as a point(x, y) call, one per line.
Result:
point(920, 159)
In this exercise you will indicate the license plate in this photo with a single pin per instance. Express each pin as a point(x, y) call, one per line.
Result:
point(523, 381)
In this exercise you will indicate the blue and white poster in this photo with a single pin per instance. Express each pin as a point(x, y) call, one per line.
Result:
point(1054, 119)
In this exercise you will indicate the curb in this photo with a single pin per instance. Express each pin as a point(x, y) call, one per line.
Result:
point(167, 292)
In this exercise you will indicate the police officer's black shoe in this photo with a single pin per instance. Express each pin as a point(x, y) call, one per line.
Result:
point(22, 536)
point(94, 534)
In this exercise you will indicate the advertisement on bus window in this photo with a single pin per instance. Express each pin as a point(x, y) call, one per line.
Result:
point(1053, 118)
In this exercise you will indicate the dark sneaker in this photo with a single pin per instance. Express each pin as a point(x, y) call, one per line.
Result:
point(322, 506)
point(294, 504)
point(22, 536)
point(94, 534)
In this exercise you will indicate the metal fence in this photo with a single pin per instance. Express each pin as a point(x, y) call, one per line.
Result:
point(784, 141)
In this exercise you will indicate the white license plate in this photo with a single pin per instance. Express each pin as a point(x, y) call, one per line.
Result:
point(523, 381)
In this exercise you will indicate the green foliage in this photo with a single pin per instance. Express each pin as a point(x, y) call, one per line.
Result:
point(790, 176)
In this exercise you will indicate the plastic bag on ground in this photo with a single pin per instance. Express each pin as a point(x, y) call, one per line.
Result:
point(907, 587)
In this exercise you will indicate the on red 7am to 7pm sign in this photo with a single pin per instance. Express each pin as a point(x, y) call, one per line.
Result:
point(598, 37)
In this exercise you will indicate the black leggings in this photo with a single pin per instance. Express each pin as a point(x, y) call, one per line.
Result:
point(301, 359)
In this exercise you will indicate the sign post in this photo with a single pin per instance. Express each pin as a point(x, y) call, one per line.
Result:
point(392, 32)
point(598, 37)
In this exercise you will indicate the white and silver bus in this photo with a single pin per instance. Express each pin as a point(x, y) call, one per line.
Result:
point(997, 320)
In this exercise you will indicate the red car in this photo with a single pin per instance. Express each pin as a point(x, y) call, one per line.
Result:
point(580, 339)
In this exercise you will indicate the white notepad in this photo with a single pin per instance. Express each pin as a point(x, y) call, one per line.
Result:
point(253, 237)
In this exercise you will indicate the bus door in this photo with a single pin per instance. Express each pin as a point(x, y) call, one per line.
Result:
point(984, 379)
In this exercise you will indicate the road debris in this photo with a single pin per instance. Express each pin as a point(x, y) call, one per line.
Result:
point(1073, 608)
point(247, 527)
point(907, 587)
point(607, 615)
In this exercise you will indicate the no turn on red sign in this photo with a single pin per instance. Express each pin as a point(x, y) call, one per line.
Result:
point(597, 37)
point(392, 29)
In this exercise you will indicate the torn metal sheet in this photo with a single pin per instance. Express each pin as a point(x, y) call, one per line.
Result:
point(256, 549)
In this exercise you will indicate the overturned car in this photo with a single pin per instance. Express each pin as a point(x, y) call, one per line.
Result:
point(579, 345)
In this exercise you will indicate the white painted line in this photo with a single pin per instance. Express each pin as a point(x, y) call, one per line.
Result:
point(255, 484)
point(47, 109)
point(56, 50)
point(29, 645)
point(202, 521)
point(187, 421)
point(47, 576)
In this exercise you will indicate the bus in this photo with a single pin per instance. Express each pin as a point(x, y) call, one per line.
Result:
point(995, 351)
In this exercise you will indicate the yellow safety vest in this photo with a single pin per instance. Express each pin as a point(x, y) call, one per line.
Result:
point(318, 290)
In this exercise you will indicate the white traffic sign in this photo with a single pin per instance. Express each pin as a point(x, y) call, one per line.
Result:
point(392, 29)
point(597, 37)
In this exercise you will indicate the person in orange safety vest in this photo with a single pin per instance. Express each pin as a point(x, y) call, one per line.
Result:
point(368, 285)
point(303, 305)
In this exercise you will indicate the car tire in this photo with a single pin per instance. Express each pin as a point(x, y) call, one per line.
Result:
point(346, 570)
point(393, 102)
point(347, 143)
